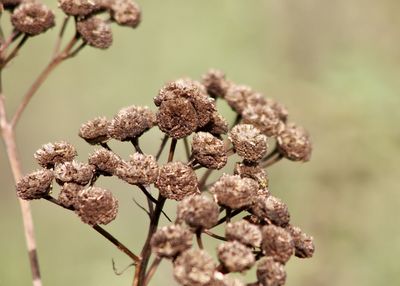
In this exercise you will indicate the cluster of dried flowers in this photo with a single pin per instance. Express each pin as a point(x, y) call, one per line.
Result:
point(262, 235)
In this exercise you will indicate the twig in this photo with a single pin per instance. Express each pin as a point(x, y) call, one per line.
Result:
point(204, 178)
point(198, 239)
point(162, 146)
point(123, 270)
point(152, 199)
point(14, 52)
point(14, 35)
point(60, 36)
point(152, 270)
point(142, 207)
point(135, 143)
point(216, 236)
point(187, 148)
point(172, 150)
point(225, 218)
point(272, 161)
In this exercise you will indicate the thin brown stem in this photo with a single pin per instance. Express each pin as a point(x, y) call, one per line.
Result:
point(216, 236)
point(152, 270)
point(225, 218)
point(187, 148)
point(204, 178)
point(14, 35)
point(172, 150)
point(135, 143)
point(60, 36)
point(15, 51)
point(162, 146)
point(271, 161)
point(198, 239)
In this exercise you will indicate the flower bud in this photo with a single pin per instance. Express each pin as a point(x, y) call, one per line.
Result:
point(253, 171)
point(74, 172)
point(239, 97)
point(35, 185)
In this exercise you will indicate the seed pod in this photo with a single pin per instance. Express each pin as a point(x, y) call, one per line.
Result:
point(125, 13)
point(198, 211)
point(272, 209)
point(105, 161)
point(170, 241)
point(244, 232)
point(294, 143)
point(141, 169)
point(217, 125)
point(248, 142)
point(234, 192)
point(32, 18)
point(96, 206)
point(270, 272)
point(74, 172)
point(209, 151)
point(95, 131)
point(303, 243)
point(277, 243)
point(264, 118)
point(239, 97)
point(52, 153)
point(235, 256)
point(69, 194)
point(194, 267)
point(253, 171)
point(96, 32)
point(215, 83)
point(35, 185)
point(131, 122)
point(176, 181)
point(78, 7)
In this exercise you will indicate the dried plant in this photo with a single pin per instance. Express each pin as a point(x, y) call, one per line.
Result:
point(257, 230)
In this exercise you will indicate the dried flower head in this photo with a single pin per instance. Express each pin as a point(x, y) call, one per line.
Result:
point(234, 192)
point(35, 185)
point(248, 142)
point(141, 169)
point(235, 256)
point(176, 181)
point(217, 125)
point(279, 108)
point(264, 118)
point(209, 151)
point(69, 194)
point(52, 153)
point(96, 32)
point(131, 122)
point(194, 267)
point(125, 13)
point(277, 243)
point(294, 143)
point(215, 83)
point(271, 209)
point(303, 243)
point(96, 206)
point(198, 211)
point(244, 232)
point(74, 172)
point(32, 18)
point(170, 241)
point(95, 131)
point(253, 171)
point(239, 97)
point(220, 279)
point(105, 161)
point(270, 272)
point(78, 7)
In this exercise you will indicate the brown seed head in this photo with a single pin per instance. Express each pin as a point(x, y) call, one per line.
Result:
point(277, 243)
point(294, 143)
point(270, 272)
point(95, 131)
point(170, 241)
point(105, 161)
point(303, 243)
point(248, 142)
point(253, 171)
point(209, 151)
point(52, 153)
point(239, 97)
point(74, 172)
point(35, 185)
point(32, 18)
point(220, 279)
point(131, 122)
point(125, 13)
point(279, 108)
point(264, 118)
point(235, 256)
point(234, 192)
point(69, 194)
point(194, 267)
point(271, 209)
point(244, 232)
point(217, 125)
point(96, 206)
point(215, 83)
point(141, 169)
point(78, 7)
point(198, 211)
point(96, 32)
point(176, 181)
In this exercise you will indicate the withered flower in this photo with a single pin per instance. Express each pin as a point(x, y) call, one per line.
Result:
point(96, 32)
point(141, 169)
point(209, 151)
point(270, 272)
point(264, 118)
point(215, 83)
point(51, 153)
point(95, 131)
point(277, 243)
point(170, 241)
point(235, 256)
point(272, 209)
point(303, 243)
point(35, 185)
point(294, 143)
point(244, 232)
point(74, 172)
point(105, 161)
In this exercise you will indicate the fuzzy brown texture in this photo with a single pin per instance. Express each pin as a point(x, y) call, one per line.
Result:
point(194, 267)
point(253, 171)
point(217, 125)
point(235, 256)
point(272, 209)
point(78, 7)
point(125, 13)
point(264, 118)
point(209, 151)
point(53, 153)
point(141, 169)
point(277, 243)
point(105, 161)
point(294, 143)
point(96, 32)
point(74, 172)
point(169, 241)
point(244, 232)
point(248, 142)
point(35, 185)
point(69, 194)
point(239, 97)
point(198, 211)
point(32, 18)
point(270, 272)
point(95, 131)
point(279, 109)
point(215, 83)
point(131, 122)
point(234, 192)
point(303, 243)
point(176, 181)
point(96, 206)
point(220, 279)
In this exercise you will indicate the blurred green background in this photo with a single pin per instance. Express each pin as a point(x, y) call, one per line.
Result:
point(334, 64)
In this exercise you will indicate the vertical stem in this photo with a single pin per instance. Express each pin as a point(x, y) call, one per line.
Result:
point(162, 146)
point(198, 238)
point(152, 270)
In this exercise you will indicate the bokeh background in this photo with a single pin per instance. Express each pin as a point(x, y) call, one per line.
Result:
point(334, 64)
